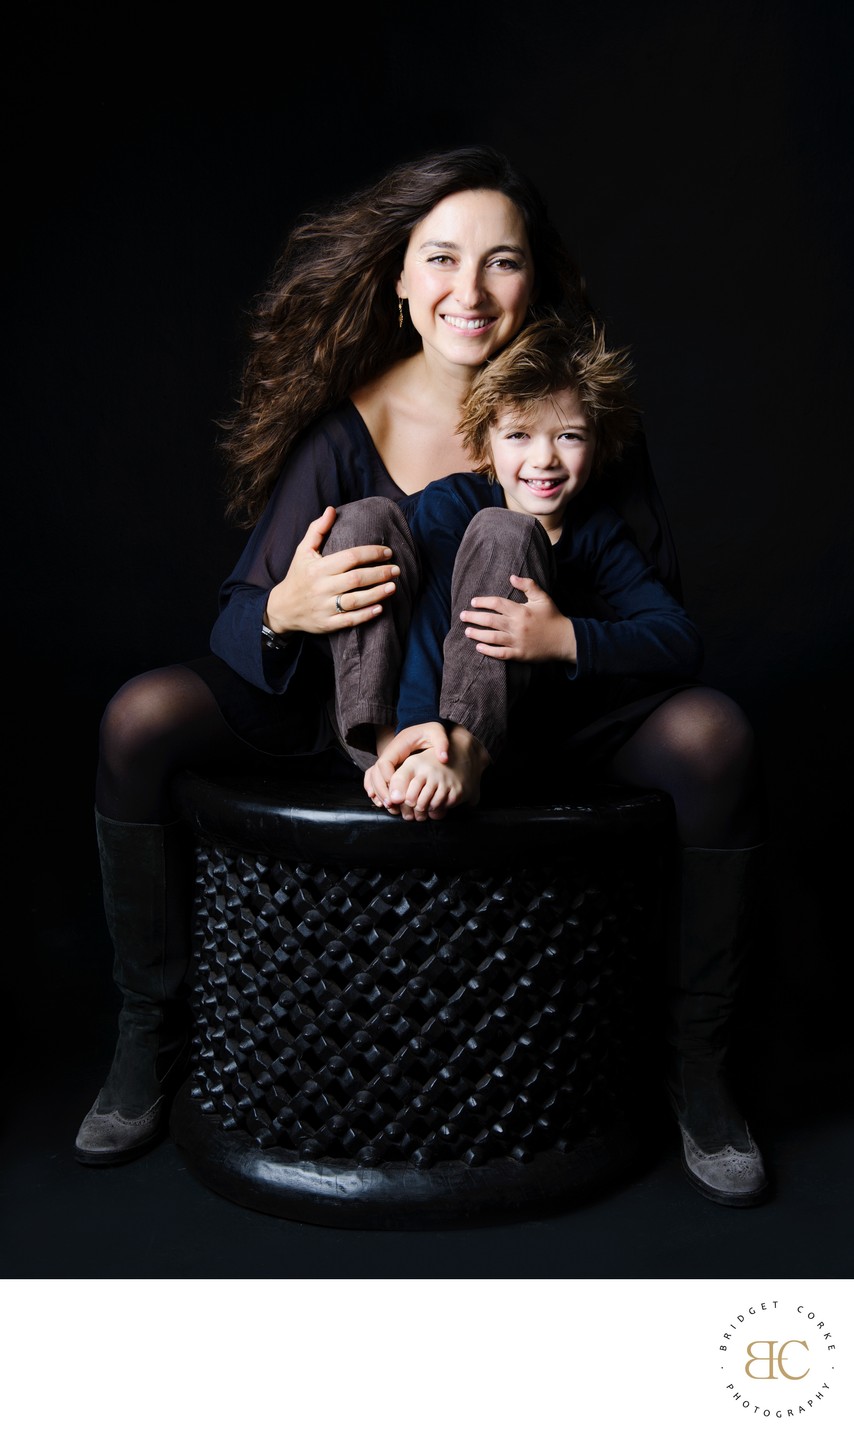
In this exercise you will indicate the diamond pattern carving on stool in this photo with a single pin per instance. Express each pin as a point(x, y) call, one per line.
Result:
point(420, 1017)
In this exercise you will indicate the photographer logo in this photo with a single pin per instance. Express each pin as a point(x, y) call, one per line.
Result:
point(778, 1360)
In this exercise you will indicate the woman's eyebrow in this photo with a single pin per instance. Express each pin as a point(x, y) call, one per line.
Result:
point(451, 244)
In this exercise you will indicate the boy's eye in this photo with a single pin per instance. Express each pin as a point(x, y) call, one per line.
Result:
point(574, 434)
point(516, 434)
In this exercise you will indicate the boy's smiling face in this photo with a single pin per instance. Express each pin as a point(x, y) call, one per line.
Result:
point(542, 456)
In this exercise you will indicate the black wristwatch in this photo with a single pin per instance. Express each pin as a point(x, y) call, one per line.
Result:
point(277, 642)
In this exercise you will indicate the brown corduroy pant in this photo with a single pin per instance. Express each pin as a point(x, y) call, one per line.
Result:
point(477, 691)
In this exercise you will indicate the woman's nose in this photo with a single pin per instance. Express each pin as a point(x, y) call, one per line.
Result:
point(470, 287)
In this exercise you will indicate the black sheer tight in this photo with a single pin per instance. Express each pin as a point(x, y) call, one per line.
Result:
point(699, 747)
point(156, 724)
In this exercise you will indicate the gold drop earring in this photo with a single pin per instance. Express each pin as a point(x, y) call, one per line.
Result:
point(400, 313)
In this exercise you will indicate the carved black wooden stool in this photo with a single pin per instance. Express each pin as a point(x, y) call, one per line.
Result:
point(415, 1025)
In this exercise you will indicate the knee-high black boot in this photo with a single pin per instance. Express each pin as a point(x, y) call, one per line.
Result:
point(719, 894)
point(147, 887)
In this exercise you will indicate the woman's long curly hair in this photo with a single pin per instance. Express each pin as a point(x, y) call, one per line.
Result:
point(327, 322)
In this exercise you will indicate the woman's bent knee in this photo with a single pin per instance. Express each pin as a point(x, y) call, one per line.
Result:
point(152, 705)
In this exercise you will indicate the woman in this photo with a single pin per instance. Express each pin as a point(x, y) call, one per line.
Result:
point(378, 316)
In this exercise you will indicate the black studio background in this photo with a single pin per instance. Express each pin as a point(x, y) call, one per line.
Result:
point(698, 161)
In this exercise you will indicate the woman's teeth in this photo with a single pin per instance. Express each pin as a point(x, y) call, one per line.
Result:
point(465, 323)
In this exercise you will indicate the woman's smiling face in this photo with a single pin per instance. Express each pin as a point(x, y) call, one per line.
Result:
point(468, 276)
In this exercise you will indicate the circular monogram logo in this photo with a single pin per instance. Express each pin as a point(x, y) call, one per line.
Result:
point(778, 1360)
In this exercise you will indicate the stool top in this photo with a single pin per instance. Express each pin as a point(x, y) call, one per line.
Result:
point(329, 818)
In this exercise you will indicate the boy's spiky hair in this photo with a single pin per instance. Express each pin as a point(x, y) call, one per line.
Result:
point(550, 355)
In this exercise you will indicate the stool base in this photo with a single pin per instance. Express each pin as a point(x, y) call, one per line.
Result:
point(396, 1196)
point(389, 1037)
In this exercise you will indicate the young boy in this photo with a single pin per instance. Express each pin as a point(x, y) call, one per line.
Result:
point(537, 616)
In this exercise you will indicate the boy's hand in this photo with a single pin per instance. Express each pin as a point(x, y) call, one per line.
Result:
point(532, 632)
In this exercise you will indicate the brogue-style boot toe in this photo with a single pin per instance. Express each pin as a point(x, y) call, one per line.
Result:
point(731, 1177)
point(107, 1138)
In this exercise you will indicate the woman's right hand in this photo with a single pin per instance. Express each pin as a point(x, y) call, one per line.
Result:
point(304, 600)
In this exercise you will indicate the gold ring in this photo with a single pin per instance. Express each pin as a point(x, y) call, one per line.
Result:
point(338, 608)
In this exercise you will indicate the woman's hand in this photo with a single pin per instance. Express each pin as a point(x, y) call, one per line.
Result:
point(305, 599)
point(533, 632)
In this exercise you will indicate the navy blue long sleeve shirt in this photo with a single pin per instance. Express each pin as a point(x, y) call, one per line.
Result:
point(334, 462)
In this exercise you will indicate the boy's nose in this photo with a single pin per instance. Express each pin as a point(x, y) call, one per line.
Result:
point(544, 456)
